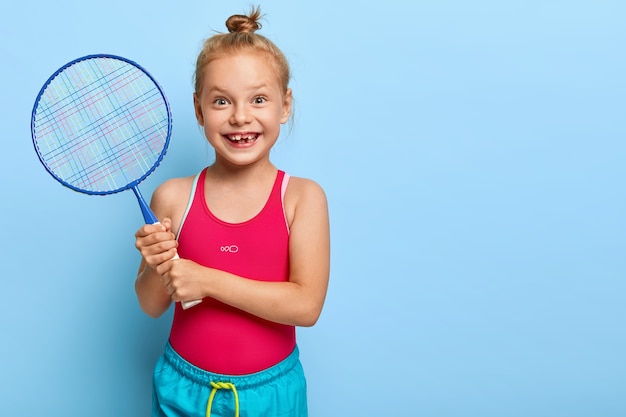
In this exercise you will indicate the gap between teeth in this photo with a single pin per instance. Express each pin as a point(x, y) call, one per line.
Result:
point(239, 138)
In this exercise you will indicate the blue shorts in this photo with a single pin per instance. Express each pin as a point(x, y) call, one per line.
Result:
point(182, 389)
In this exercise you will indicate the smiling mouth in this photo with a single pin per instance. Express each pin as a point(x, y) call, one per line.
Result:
point(243, 137)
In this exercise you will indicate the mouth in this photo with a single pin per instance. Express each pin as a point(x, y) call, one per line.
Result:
point(242, 138)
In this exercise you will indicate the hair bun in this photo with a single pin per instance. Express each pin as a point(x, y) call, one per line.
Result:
point(243, 24)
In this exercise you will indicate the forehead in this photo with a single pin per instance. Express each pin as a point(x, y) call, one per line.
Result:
point(239, 70)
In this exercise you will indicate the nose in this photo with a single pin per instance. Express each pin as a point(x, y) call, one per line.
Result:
point(241, 115)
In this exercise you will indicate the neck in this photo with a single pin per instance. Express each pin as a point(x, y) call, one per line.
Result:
point(249, 174)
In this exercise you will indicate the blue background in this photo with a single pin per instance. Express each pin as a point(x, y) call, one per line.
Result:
point(473, 154)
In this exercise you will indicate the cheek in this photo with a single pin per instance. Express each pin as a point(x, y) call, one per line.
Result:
point(212, 119)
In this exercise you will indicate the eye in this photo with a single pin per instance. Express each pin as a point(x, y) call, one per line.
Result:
point(259, 100)
point(220, 101)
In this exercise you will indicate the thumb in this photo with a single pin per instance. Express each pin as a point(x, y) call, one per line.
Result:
point(167, 222)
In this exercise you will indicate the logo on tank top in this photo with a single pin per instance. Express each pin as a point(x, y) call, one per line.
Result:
point(229, 249)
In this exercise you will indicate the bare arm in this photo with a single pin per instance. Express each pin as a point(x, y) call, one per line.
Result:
point(157, 244)
point(151, 293)
point(298, 301)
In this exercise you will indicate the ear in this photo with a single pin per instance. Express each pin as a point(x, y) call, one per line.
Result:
point(286, 106)
point(198, 109)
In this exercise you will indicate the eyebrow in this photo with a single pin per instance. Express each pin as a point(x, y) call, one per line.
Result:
point(219, 89)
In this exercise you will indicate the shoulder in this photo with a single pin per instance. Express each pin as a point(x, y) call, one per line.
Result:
point(302, 196)
point(304, 188)
point(173, 189)
point(171, 197)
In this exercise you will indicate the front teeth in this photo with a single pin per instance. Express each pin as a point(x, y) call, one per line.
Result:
point(244, 138)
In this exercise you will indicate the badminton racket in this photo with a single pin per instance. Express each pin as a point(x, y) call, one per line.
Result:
point(100, 125)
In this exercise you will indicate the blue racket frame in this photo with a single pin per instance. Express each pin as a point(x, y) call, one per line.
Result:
point(145, 208)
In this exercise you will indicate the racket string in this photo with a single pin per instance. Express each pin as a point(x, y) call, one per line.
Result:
point(100, 127)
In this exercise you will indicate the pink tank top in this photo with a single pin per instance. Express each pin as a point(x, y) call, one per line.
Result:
point(212, 335)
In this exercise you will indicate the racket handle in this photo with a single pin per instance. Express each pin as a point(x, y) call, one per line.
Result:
point(189, 304)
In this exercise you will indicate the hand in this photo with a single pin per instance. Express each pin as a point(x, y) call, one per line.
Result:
point(156, 243)
point(184, 280)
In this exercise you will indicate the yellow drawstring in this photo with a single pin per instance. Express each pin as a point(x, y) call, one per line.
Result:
point(222, 385)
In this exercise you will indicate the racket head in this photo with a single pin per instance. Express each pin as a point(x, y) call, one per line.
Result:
point(101, 124)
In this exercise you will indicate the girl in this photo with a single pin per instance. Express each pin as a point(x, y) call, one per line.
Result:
point(253, 245)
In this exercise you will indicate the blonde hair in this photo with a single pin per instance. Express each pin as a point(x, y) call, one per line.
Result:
point(241, 37)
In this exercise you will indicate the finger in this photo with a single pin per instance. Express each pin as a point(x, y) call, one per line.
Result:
point(167, 223)
point(161, 247)
point(166, 265)
point(149, 229)
point(156, 254)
